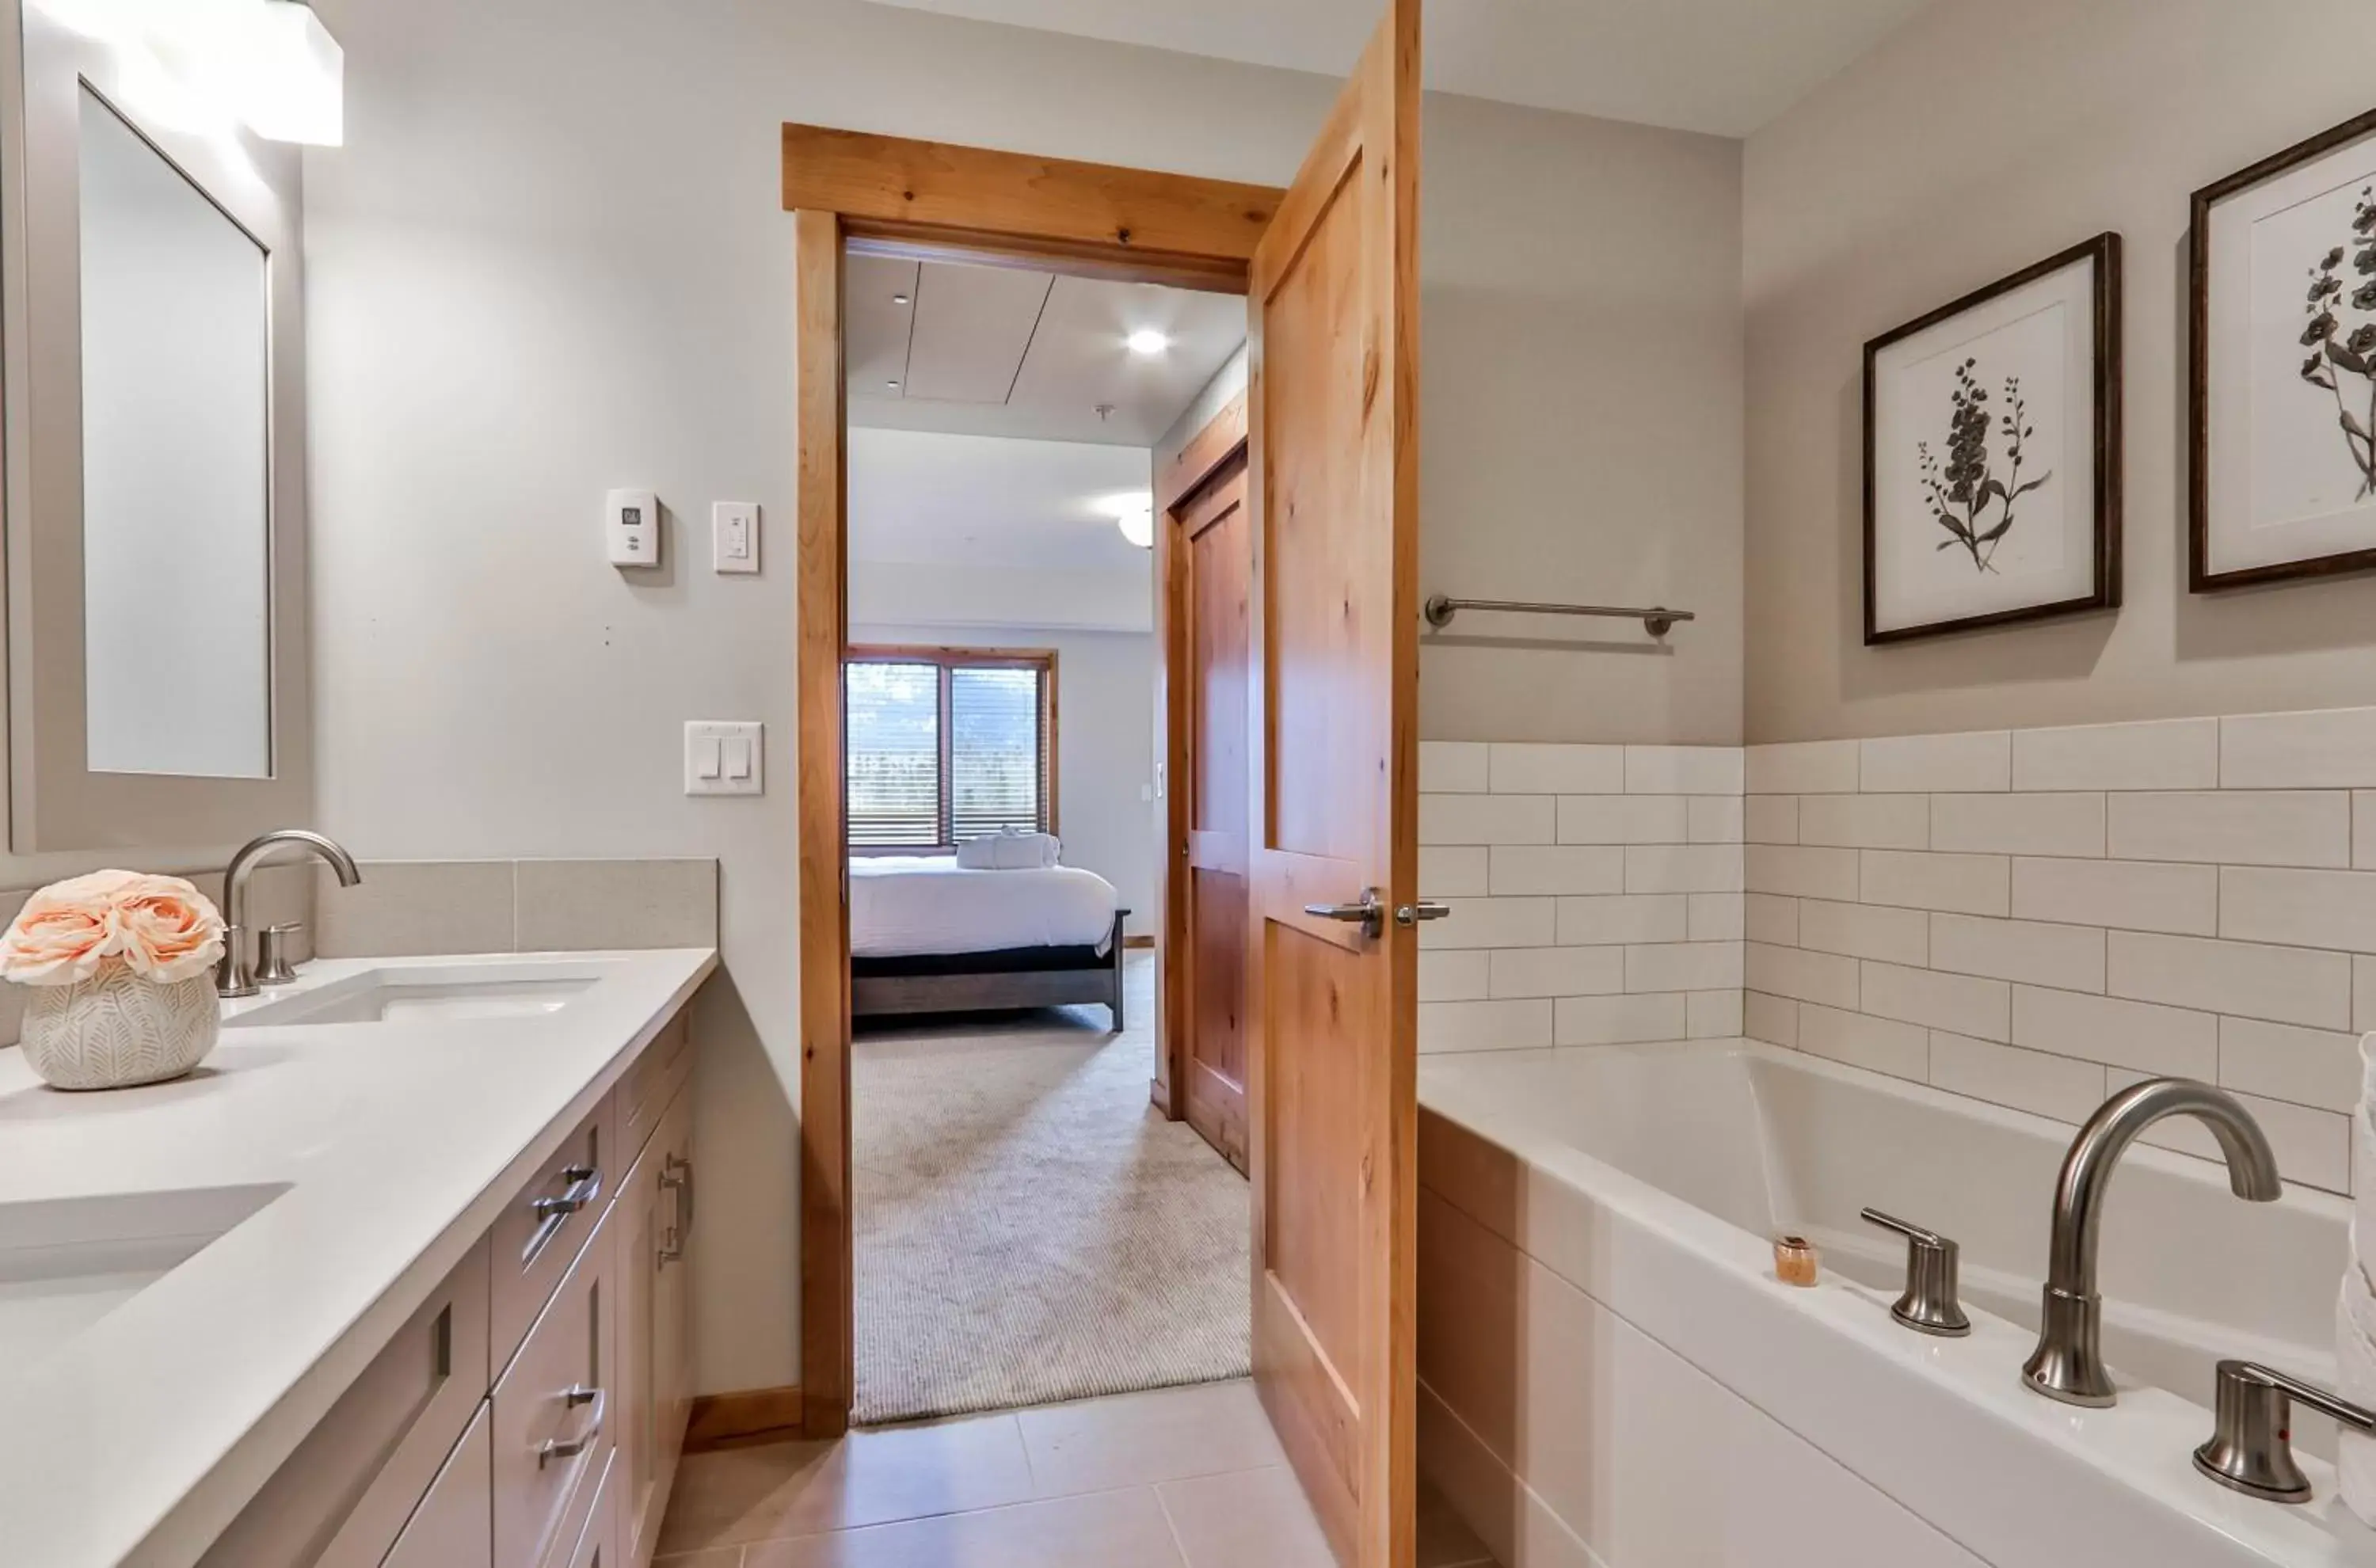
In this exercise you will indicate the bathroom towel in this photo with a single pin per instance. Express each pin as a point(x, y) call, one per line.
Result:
point(2355, 1367)
point(2355, 1306)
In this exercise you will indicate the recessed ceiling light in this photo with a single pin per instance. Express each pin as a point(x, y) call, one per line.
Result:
point(1146, 341)
point(899, 298)
point(893, 383)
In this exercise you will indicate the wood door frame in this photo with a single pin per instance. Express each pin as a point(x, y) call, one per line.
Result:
point(1210, 451)
point(894, 195)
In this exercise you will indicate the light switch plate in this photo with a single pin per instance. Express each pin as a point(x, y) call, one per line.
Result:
point(724, 758)
point(734, 535)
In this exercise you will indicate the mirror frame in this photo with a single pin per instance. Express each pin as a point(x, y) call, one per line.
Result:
point(55, 801)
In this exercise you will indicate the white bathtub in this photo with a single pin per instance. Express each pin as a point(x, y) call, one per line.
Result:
point(1611, 1376)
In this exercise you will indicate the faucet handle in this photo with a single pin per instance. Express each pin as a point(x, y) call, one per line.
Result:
point(2251, 1447)
point(1929, 1304)
point(272, 965)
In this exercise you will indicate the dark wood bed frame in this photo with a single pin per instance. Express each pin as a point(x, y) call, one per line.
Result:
point(887, 987)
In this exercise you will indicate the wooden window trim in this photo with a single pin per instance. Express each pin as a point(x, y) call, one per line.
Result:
point(948, 659)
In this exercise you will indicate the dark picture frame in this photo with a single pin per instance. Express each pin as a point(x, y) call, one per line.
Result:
point(2103, 254)
point(2200, 578)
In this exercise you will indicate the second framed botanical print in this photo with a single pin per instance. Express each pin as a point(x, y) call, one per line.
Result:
point(1992, 453)
point(2282, 365)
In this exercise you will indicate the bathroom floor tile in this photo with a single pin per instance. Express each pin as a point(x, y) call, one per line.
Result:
point(869, 1478)
point(1245, 1519)
point(1142, 1439)
point(1109, 1529)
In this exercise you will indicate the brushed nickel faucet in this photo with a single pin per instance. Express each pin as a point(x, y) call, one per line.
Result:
point(2068, 1364)
point(232, 976)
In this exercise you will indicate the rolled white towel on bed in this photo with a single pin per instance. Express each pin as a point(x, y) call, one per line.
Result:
point(1009, 851)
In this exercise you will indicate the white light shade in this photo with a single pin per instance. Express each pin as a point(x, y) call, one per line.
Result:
point(1138, 528)
point(291, 76)
point(1147, 340)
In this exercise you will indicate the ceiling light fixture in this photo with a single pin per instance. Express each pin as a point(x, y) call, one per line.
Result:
point(1134, 513)
point(899, 298)
point(893, 383)
point(1146, 342)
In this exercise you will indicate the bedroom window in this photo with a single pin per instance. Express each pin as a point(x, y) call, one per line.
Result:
point(946, 744)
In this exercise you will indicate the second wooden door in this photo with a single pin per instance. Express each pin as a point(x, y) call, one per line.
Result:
point(1212, 553)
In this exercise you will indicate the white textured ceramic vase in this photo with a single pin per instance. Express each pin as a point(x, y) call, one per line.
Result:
point(116, 1029)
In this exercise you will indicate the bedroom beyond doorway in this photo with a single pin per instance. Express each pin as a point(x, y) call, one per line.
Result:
point(1026, 1226)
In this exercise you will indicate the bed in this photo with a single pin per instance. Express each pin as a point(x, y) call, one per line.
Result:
point(928, 935)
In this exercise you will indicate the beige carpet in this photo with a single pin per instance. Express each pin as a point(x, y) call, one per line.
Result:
point(1028, 1227)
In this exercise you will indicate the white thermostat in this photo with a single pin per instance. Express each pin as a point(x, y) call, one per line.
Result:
point(632, 527)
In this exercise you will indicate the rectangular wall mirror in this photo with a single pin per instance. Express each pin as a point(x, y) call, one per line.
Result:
point(151, 276)
point(176, 461)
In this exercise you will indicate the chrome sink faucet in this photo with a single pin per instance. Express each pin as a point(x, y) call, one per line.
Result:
point(234, 976)
point(2068, 1364)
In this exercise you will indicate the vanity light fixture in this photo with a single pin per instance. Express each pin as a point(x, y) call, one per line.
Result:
point(1146, 342)
point(268, 64)
point(1134, 513)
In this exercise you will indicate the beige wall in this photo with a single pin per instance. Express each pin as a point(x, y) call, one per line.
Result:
point(1976, 139)
point(550, 260)
point(1580, 346)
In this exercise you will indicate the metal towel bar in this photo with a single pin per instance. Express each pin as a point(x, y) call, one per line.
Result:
point(1657, 619)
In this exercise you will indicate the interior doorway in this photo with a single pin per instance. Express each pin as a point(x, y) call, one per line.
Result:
point(1026, 1227)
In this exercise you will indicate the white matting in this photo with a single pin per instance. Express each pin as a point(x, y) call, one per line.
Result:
point(1028, 1227)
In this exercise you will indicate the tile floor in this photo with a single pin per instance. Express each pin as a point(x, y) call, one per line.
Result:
point(1182, 1477)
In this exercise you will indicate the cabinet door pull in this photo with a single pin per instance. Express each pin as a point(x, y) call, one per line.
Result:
point(676, 1176)
point(569, 1448)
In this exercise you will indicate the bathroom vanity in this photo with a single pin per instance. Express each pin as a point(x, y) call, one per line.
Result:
point(397, 1277)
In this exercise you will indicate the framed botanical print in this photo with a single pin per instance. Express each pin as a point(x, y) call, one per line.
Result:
point(1992, 454)
point(2281, 404)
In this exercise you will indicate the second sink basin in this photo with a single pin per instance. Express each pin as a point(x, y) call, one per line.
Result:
point(427, 993)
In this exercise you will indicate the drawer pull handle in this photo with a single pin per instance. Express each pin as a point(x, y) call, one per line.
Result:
point(585, 1186)
point(676, 1177)
point(569, 1448)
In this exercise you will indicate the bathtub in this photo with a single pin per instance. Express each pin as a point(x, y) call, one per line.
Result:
point(1611, 1377)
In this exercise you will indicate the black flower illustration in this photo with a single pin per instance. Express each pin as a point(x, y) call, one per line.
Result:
point(2343, 358)
point(1964, 485)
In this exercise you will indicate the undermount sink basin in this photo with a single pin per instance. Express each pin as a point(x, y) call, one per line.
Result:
point(427, 992)
point(67, 1263)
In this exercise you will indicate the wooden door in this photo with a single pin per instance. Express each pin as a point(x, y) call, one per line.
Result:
point(1332, 1095)
point(1213, 556)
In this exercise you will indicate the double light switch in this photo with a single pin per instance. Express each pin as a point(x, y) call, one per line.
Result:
point(724, 758)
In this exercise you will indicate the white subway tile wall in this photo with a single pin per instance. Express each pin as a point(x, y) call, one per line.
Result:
point(1596, 894)
point(2038, 918)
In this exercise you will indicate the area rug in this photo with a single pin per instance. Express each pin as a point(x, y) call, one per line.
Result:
point(1028, 1227)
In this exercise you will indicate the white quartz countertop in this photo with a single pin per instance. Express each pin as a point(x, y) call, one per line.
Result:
point(137, 1440)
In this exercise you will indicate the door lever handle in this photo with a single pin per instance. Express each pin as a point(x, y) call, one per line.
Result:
point(1370, 914)
point(1425, 909)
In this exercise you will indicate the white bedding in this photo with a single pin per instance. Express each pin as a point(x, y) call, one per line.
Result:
point(902, 906)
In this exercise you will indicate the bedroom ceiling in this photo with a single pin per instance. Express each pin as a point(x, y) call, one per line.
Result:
point(989, 351)
point(1724, 67)
point(929, 497)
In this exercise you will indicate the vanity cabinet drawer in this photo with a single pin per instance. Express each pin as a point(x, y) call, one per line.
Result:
point(340, 1500)
point(596, 1542)
point(649, 1086)
point(552, 1426)
point(452, 1526)
point(538, 1234)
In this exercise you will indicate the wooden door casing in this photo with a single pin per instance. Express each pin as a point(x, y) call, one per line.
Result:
point(1332, 1011)
point(1213, 556)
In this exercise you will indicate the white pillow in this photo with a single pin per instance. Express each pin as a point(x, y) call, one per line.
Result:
point(1009, 851)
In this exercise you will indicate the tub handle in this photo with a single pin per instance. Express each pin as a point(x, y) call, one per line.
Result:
point(1929, 1303)
point(2251, 1447)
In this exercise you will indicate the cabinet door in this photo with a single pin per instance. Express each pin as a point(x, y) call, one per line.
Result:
point(454, 1527)
point(655, 1361)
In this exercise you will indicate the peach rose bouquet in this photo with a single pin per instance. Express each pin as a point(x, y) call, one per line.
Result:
point(122, 966)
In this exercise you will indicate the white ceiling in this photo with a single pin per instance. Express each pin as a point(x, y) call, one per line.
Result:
point(934, 497)
point(989, 351)
point(1724, 67)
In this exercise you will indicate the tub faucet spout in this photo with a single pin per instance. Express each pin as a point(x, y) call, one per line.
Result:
point(2068, 1364)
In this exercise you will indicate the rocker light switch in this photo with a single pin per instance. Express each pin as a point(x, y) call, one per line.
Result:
point(723, 758)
